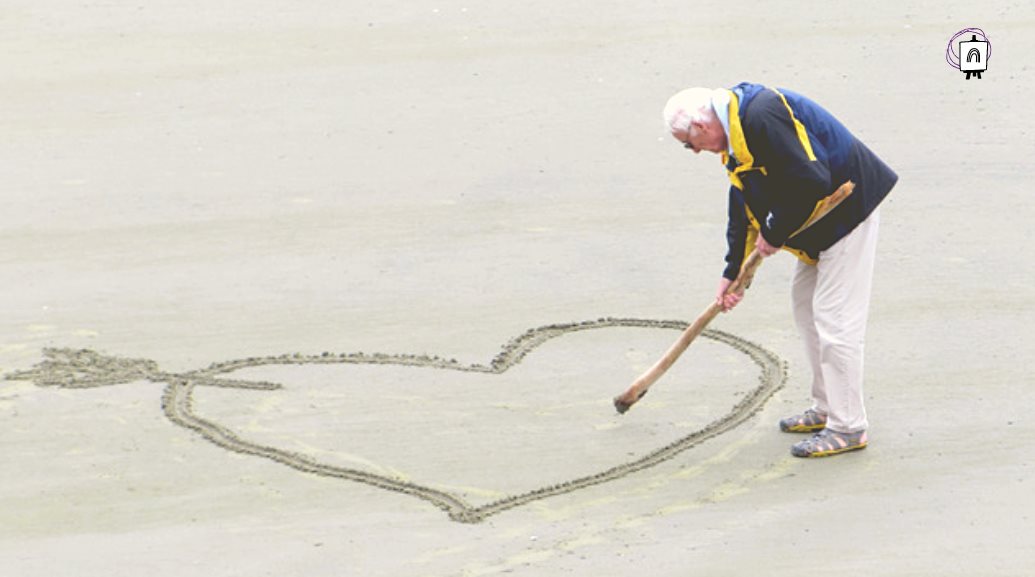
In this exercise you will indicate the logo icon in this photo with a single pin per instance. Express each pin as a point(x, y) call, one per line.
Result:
point(969, 55)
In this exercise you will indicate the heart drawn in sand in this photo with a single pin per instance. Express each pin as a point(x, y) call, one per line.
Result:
point(84, 369)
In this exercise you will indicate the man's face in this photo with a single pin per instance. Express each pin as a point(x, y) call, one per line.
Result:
point(709, 137)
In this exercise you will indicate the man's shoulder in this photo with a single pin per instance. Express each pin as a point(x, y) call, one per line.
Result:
point(762, 108)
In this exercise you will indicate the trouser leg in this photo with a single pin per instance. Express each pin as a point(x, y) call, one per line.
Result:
point(803, 286)
point(840, 306)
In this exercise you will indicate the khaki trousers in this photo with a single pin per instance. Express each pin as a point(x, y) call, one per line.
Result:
point(831, 301)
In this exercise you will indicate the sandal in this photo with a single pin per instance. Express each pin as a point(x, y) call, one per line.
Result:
point(808, 422)
point(826, 443)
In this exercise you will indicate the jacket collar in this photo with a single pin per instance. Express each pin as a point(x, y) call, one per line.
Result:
point(738, 150)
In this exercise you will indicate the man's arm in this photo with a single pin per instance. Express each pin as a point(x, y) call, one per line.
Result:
point(739, 237)
point(737, 227)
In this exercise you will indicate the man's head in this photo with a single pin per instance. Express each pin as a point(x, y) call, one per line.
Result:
point(691, 119)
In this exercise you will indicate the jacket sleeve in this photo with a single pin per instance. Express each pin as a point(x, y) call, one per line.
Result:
point(797, 179)
point(738, 234)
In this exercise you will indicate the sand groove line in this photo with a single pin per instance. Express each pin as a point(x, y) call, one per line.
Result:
point(83, 368)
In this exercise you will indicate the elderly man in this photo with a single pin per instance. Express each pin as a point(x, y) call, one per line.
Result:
point(783, 154)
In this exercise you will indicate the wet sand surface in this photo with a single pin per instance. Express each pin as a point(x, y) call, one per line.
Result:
point(361, 281)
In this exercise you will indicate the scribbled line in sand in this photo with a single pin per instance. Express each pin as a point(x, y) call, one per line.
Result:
point(69, 368)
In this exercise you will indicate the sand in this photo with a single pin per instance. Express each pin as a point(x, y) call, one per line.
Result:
point(341, 289)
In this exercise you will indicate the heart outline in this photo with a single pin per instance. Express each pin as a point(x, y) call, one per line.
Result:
point(80, 369)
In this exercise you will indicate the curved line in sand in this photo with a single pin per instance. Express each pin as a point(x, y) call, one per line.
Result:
point(177, 403)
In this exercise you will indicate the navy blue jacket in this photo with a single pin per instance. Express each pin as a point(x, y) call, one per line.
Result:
point(788, 155)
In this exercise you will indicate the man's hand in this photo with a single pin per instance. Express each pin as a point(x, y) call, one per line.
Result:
point(727, 301)
point(764, 248)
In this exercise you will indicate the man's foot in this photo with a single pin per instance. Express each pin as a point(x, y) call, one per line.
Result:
point(826, 443)
point(808, 422)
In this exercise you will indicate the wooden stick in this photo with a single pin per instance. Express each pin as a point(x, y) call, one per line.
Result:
point(641, 385)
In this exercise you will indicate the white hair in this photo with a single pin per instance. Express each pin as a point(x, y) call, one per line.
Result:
point(686, 106)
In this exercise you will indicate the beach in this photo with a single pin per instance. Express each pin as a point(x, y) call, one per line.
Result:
point(347, 289)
